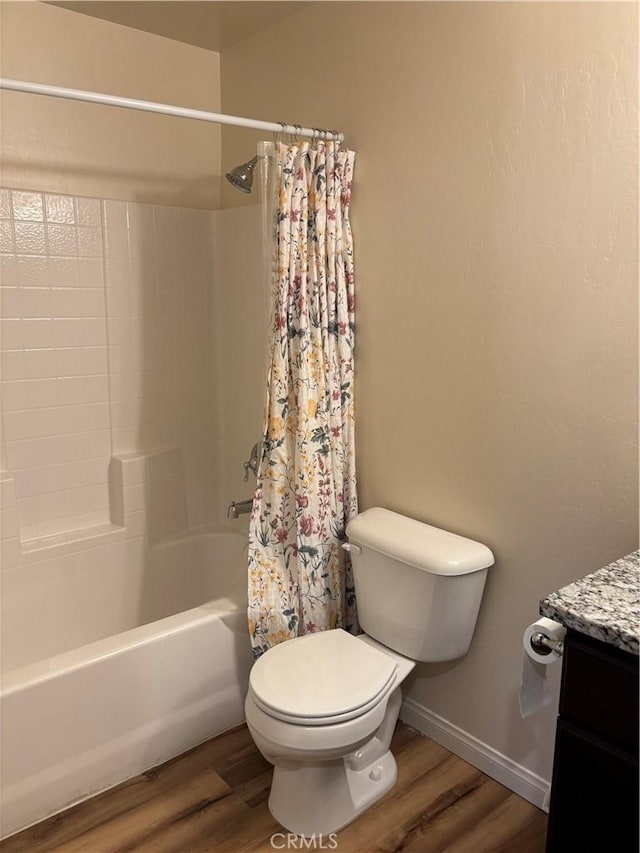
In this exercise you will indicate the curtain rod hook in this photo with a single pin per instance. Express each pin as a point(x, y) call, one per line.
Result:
point(279, 133)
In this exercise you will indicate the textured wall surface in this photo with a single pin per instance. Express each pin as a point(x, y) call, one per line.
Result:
point(85, 149)
point(495, 218)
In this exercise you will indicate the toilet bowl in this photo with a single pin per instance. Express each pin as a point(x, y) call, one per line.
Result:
point(322, 707)
point(323, 711)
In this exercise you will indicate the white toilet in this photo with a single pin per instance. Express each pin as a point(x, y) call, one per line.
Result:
point(322, 707)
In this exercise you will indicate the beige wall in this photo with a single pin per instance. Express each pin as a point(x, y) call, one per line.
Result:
point(84, 149)
point(495, 221)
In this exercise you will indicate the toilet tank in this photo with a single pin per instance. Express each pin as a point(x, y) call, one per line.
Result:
point(418, 587)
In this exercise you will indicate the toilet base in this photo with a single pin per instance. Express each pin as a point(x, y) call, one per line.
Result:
point(317, 799)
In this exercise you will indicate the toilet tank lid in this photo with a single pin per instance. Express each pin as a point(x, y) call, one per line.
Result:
point(420, 545)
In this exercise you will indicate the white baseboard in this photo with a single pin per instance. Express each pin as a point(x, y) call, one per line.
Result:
point(487, 759)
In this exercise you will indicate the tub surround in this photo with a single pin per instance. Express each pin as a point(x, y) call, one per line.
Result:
point(107, 351)
point(42, 580)
point(109, 484)
point(604, 605)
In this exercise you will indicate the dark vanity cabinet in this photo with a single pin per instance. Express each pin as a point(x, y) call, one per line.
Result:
point(595, 791)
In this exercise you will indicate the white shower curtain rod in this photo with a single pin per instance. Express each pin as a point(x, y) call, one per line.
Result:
point(166, 109)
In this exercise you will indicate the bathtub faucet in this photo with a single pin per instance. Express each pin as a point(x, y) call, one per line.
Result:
point(238, 508)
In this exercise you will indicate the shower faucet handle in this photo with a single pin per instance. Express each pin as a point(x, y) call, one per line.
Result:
point(253, 461)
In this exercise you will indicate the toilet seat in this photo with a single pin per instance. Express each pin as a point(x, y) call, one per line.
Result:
point(328, 720)
point(321, 679)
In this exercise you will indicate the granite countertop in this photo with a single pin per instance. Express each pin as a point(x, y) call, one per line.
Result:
point(604, 605)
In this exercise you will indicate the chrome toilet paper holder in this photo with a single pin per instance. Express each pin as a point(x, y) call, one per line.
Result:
point(545, 645)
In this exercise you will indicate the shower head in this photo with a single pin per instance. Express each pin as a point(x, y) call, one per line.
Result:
point(242, 176)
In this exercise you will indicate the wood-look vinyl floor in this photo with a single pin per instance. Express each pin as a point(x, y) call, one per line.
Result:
point(214, 798)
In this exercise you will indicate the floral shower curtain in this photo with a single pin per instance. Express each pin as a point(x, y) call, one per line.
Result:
point(299, 577)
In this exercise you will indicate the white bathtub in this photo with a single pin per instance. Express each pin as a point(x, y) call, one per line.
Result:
point(87, 718)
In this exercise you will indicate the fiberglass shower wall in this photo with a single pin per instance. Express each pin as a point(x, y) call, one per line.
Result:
point(240, 326)
point(107, 357)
